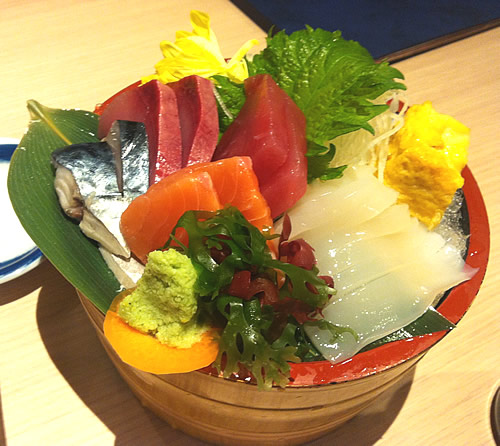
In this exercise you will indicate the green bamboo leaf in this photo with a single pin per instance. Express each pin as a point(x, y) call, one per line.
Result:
point(430, 322)
point(31, 190)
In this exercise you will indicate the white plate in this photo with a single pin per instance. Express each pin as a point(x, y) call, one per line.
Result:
point(18, 254)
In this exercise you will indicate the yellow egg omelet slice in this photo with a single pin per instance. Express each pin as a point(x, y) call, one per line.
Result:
point(427, 156)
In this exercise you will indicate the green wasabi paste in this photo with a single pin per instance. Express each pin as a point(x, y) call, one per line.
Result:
point(165, 303)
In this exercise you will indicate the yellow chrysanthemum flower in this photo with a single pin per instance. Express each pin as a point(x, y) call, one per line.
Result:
point(198, 52)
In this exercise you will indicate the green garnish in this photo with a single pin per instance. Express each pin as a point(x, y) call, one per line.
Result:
point(335, 330)
point(247, 251)
point(318, 163)
point(332, 80)
point(252, 336)
point(244, 342)
point(230, 98)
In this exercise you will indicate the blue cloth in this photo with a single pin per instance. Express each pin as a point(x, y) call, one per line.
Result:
point(381, 26)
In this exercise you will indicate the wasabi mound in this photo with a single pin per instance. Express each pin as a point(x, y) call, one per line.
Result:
point(165, 302)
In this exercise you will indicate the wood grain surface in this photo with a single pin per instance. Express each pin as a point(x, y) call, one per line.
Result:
point(58, 386)
point(227, 412)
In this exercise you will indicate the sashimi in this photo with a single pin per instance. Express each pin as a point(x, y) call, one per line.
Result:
point(386, 266)
point(198, 117)
point(383, 255)
point(355, 198)
point(154, 104)
point(147, 223)
point(236, 184)
point(95, 182)
point(271, 130)
point(341, 241)
point(386, 304)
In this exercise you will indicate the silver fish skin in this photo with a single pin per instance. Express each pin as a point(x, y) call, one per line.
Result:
point(129, 143)
point(93, 167)
point(95, 182)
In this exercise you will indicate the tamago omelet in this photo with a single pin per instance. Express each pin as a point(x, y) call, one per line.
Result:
point(427, 156)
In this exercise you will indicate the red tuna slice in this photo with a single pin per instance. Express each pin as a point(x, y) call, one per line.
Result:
point(271, 130)
point(199, 118)
point(99, 108)
point(155, 104)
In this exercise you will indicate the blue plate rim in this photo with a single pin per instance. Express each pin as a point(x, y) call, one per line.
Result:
point(26, 261)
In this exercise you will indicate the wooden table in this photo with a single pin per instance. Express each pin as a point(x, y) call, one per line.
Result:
point(57, 385)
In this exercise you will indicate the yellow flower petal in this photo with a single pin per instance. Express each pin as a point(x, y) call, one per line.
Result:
point(198, 52)
point(237, 69)
point(244, 49)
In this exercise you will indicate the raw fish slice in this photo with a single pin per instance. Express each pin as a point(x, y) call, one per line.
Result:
point(92, 166)
point(236, 184)
point(68, 193)
point(155, 105)
point(332, 247)
point(95, 182)
point(392, 220)
point(288, 184)
point(395, 299)
point(397, 248)
point(127, 271)
point(86, 178)
point(386, 266)
point(108, 211)
point(387, 304)
point(147, 223)
point(367, 261)
point(356, 197)
point(271, 130)
point(199, 118)
point(259, 130)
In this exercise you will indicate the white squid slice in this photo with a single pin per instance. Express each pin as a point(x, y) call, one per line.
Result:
point(357, 197)
point(387, 267)
point(381, 306)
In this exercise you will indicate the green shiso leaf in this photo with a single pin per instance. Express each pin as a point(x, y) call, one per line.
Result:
point(332, 80)
point(31, 190)
point(318, 164)
point(230, 98)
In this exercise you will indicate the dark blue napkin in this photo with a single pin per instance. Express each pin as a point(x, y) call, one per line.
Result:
point(382, 26)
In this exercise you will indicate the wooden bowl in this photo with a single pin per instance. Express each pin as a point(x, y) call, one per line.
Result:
point(228, 412)
point(321, 397)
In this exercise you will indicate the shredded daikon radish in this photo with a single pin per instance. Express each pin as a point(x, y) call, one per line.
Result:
point(362, 147)
point(379, 146)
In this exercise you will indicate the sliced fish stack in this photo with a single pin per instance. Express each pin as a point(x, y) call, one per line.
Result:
point(387, 267)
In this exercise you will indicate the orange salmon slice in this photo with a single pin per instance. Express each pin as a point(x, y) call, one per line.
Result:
point(236, 183)
point(148, 221)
